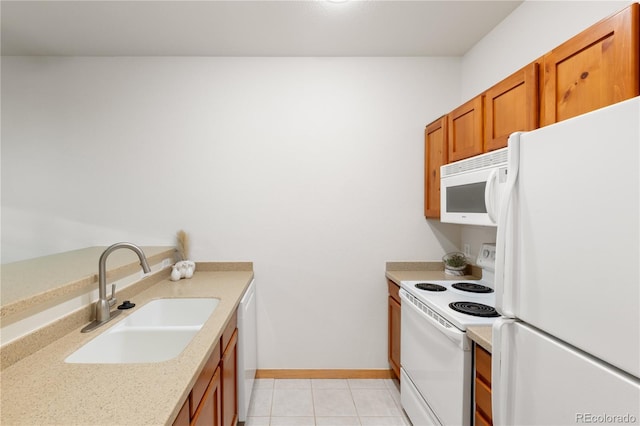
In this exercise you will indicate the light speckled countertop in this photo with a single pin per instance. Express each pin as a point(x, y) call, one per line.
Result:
point(481, 335)
point(35, 283)
point(43, 389)
point(415, 271)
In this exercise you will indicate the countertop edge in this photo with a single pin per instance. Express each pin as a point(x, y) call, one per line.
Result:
point(481, 335)
point(397, 271)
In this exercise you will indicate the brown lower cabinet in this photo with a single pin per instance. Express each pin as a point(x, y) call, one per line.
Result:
point(213, 399)
point(483, 412)
point(394, 327)
point(208, 412)
point(229, 384)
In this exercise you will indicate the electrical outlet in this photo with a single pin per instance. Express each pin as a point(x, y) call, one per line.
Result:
point(466, 250)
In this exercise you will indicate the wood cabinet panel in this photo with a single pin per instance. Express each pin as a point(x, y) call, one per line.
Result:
point(465, 128)
point(435, 155)
point(483, 365)
point(183, 416)
point(483, 399)
point(208, 412)
point(203, 380)
point(481, 420)
point(482, 387)
point(394, 290)
point(510, 106)
point(394, 335)
point(229, 383)
point(229, 329)
point(596, 68)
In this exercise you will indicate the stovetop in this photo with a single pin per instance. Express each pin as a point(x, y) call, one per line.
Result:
point(440, 300)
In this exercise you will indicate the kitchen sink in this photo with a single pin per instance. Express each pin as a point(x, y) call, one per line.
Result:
point(158, 331)
point(172, 312)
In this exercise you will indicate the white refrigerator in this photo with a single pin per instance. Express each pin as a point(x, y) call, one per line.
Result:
point(566, 350)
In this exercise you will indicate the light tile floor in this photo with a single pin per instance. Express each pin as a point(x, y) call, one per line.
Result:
point(326, 402)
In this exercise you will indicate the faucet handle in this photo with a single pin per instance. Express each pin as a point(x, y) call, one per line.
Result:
point(112, 299)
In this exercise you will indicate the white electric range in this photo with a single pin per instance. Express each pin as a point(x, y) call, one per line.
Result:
point(461, 302)
point(436, 359)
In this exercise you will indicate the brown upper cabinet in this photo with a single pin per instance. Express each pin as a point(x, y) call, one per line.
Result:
point(435, 155)
point(596, 68)
point(465, 125)
point(511, 106)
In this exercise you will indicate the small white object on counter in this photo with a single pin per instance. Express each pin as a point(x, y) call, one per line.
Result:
point(183, 269)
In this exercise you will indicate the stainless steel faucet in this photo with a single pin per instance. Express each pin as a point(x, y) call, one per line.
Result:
point(103, 305)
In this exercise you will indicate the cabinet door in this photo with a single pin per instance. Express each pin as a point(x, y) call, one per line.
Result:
point(394, 335)
point(483, 411)
point(465, 125)
point(435, 155)
point(229, 385)
point(596, 68)
point(183, 416)
point(511, 106)
point(208, 412)
point(204, 379)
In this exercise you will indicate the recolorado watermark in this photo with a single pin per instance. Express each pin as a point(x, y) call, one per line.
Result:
point(604, 418)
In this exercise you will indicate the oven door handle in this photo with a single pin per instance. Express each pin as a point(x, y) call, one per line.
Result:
point(455, 335)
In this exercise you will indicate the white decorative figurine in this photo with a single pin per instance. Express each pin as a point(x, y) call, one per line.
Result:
point(184, 268)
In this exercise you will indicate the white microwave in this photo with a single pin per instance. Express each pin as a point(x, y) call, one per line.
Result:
point(471, 189)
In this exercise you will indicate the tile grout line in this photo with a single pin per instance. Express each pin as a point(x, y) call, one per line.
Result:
point(354, 402)
point(313, 403)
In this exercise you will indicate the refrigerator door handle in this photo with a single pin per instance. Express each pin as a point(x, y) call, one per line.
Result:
point(499, 380)
point(505, 235)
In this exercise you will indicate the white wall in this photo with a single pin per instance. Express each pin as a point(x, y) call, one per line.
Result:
point(310, 168)
point(530, 31)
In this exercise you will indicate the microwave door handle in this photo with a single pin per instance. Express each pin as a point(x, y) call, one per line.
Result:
point(490, 194)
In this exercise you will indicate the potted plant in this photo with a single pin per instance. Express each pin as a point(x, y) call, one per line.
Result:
point(455, 263)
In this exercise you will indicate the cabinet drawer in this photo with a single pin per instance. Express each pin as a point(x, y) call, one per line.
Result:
point(227, 334)
point(481, 420)
point(204, 378)
point(394, 290)
point(483, 398)
point(483, 365)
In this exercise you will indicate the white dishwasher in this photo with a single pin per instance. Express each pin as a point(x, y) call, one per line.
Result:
point(247, 349)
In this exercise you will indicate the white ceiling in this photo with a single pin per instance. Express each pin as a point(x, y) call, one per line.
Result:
point(247, 28)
